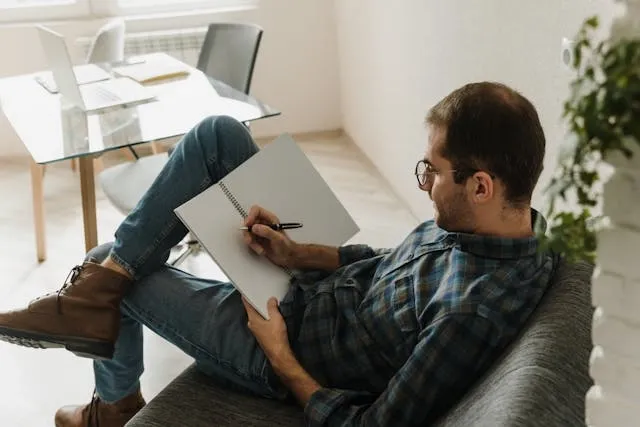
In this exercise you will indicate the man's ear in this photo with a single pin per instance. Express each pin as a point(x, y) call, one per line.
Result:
point(482, 187)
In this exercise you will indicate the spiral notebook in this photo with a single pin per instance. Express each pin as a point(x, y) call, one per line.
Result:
point(281, 179)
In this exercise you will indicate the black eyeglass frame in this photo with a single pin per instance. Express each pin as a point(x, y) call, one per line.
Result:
point(428, 174)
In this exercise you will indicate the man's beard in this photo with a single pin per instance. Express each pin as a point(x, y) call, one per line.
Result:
point(455, 215)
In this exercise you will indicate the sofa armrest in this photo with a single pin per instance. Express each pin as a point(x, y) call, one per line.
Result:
point(543, 376)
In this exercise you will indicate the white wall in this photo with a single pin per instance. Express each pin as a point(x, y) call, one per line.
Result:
point(296, 71)
point(397, 59)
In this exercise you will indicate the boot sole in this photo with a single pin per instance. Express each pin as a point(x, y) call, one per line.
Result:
point(82, 347)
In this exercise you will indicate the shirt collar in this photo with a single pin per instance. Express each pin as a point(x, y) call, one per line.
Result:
point(501, 247)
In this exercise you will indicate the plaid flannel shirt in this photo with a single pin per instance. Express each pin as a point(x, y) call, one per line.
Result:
point(395, 337)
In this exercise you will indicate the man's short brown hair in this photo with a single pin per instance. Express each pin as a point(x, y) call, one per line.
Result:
point(491, 127)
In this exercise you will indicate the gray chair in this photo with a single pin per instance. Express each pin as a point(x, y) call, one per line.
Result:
point(540, 380)
point(228, 54)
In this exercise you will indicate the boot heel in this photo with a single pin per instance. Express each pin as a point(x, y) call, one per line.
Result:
point(92, 350)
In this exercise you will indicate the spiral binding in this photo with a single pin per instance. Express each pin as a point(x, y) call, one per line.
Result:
point(233, 200)
point(242, 212)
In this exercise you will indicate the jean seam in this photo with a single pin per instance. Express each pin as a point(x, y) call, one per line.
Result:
point(213, 159)
point(166, 230)
point(199, 349)
point(124, 394)
point(122, 263)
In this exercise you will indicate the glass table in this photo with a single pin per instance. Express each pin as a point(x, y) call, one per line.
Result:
point(53, 130)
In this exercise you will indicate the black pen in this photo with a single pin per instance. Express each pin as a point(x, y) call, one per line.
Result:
point(278, 227)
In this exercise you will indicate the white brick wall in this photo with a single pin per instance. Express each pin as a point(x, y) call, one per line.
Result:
point(615, 359)
point(608, 409)
point(614, 400)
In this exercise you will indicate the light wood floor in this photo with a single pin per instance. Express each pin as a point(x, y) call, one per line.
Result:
point(34, 383)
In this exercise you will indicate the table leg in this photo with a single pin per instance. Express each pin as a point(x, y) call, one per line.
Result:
point(38, 209)
point(88, 190)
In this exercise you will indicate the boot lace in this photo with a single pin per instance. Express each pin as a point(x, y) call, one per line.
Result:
point(92, 410)
point(71, 277)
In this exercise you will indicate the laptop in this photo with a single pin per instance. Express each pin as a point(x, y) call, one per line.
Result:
point(86, 73)
point(92, 96)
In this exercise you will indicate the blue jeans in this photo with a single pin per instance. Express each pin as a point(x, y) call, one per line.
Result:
point(204, 318)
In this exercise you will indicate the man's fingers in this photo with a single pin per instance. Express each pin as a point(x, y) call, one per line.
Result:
point(259, 214)
point(272, 307)
point(252, 216)
point(250, 241)
point(266, 232)
point(257, 248)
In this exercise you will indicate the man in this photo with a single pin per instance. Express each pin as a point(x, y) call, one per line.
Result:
point(364, 337)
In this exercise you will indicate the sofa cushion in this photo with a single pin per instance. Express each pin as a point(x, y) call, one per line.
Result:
point(541, 380)
point(194, 399)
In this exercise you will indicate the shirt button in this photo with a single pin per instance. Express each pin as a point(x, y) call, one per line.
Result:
point(410, 256)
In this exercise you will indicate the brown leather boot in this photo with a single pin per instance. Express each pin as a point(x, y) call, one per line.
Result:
point(83, 316)
point(100, 414)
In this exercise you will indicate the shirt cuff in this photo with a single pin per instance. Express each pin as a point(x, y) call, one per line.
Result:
point(321, 404)
point(349, 254)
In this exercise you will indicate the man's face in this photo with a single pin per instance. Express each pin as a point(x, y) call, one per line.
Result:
point(453, 209)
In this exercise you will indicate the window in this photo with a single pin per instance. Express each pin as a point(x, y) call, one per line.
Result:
point(30, 3)
point(130, 7)
point(28, 10)
point(34, 10)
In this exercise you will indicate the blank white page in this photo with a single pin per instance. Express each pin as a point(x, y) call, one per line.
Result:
point(281, 179)
point(215, 223)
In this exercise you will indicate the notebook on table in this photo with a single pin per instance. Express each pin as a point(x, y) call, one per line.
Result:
point(281, 179)
point(156, 67)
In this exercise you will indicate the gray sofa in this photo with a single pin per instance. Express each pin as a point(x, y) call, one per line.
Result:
point(540, 381)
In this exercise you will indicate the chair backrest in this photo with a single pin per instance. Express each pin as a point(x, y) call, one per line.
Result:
point(543, 377)
point(229, 53)
point(108, 44)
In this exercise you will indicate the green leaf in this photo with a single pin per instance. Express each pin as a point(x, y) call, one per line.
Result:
point(592, 22)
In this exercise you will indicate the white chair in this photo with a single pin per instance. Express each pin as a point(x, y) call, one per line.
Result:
point(108, 44)
point(228, 54)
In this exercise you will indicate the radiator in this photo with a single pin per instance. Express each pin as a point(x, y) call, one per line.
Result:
point(183, 44)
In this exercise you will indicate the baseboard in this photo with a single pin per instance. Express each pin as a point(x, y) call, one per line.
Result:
point(145, 149)
point(304, 136)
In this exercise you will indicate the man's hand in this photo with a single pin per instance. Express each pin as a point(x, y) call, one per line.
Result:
point(263, 240)
point(271, 334)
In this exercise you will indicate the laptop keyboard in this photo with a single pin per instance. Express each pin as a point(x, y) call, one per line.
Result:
point(106, 94)
point(112, 93)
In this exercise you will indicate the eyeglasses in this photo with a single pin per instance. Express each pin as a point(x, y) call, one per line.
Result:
point(425, 172)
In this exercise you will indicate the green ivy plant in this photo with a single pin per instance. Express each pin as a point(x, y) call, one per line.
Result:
point(603, 117)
